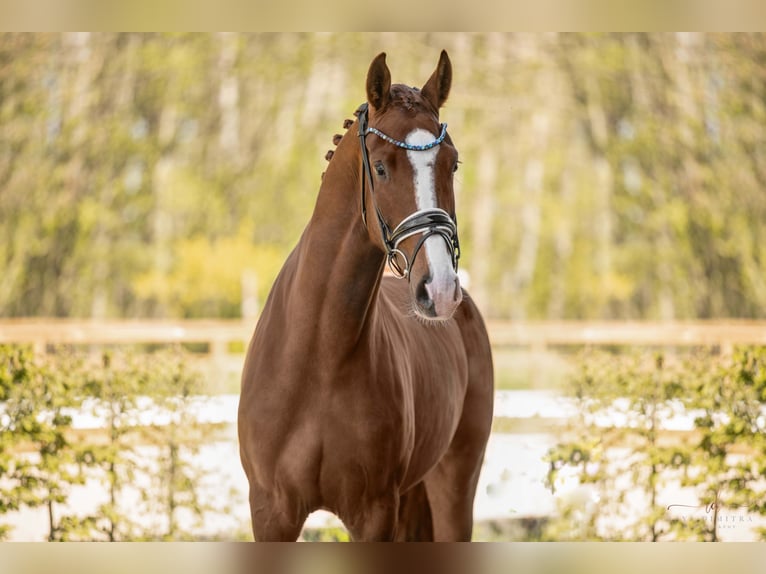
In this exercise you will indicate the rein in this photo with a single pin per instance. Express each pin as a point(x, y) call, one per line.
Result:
point(426, 222)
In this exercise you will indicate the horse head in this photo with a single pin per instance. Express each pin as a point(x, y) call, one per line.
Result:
point(409, 162)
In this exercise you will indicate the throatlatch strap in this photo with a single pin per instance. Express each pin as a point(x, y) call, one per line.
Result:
point(366, 171)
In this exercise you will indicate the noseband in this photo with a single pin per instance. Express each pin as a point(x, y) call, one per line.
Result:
point(425, 222)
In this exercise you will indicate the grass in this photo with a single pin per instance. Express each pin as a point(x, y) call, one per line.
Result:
point(526, 369)
point(515, 369)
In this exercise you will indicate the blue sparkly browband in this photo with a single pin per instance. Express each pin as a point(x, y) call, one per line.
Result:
point(405, 145)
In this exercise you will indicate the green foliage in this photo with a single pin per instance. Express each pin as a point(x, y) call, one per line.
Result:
point(114, 388)
point(329, 534)
point(527, 369)
point(618, 447)
point(207, 278)
point(36, 397)
point(42, 457)
point(175, 490)
point(143, 174)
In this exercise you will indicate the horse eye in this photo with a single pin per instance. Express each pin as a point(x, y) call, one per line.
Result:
point(379, 169)
point(454, 169)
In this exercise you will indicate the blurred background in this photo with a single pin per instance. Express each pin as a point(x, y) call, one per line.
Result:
point(603, 176)
point(614, 180)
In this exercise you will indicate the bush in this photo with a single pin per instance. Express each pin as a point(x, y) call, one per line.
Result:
point(42, 456)
point(625, 458)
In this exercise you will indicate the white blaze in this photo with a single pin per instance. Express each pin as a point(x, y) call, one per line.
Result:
point(443, 278)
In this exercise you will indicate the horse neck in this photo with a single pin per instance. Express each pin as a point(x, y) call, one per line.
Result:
point(339, 268)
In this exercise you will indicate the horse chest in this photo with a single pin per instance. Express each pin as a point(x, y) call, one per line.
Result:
point(393, 420)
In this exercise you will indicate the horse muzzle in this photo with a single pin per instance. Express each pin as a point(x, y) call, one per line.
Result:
point(437, 298)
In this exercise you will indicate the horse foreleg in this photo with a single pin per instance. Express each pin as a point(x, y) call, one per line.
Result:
point(451, 484)
point(377, 521)
point(415, 523)
point(451, 489)
point(272, 520)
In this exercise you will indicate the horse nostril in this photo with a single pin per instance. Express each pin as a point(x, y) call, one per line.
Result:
point(424, 299)
point(458, 294)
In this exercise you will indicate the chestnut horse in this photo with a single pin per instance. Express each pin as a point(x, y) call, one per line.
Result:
point(368, 395)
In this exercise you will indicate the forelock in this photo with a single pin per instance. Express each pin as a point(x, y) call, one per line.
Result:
point(409, 99)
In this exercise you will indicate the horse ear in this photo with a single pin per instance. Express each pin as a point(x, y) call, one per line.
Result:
point(438, 85)
point(379, 83)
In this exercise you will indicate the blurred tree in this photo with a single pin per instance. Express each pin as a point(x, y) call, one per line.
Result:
point(142, 468)
point(622, 450)
point(114, 391)
point(615, 446)
point(175, 480)
point(602, 176)
point(37, 460)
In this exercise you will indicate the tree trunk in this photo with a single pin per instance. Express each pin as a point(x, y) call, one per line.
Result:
point(228, 99)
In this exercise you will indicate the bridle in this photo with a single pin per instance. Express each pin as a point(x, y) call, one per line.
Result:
point(426, 222)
